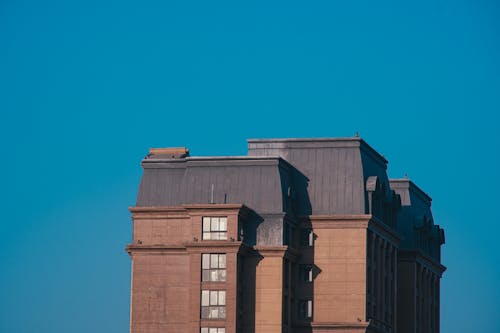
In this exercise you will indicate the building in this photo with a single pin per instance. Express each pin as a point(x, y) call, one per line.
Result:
point(301, 235)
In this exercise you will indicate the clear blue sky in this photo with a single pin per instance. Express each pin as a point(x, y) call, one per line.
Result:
point(86, 87)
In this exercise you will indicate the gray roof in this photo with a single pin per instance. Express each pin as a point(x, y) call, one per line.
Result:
point(256, 182)
point(337, 169)
point(324, 176)
point(415, 220)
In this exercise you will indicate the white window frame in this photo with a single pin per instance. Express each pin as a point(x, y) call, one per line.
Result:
point(213, 267)
point(214, 228)
point(213, 304)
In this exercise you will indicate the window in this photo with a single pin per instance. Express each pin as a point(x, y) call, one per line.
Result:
point(305, 309)
point(213, 267)
point(213, 304)
point(214, 228)
point(306, 273)
point(213, 330)
point(306, 237)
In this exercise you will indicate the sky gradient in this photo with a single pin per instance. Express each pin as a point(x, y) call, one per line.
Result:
point(86, 87)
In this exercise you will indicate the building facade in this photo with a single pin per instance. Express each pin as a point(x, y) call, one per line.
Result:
point(300, 235)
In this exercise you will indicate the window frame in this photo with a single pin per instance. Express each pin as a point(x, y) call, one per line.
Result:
point(206, 329)
point(214, 228)
point(306, 274)
point(305, 309)
point(209, 269)
point(306, 237)
point(213, 300)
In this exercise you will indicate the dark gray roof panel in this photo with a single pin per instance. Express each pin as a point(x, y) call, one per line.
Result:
point(255, 182)
point(160, 186)
point(308, 143)
point(337, 169)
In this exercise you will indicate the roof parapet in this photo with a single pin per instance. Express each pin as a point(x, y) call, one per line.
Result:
point(168, 153)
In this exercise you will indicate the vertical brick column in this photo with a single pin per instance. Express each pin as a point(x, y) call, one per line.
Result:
point(269, 289)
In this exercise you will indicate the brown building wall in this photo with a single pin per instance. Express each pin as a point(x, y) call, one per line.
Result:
point(354, 260)
point(166, 268)
point(155, 229)
point(340, 287)
point(160, 284)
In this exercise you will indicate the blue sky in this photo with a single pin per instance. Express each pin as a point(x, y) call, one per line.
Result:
point(86, 87)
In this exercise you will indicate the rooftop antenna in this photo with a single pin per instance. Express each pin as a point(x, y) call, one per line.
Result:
point(356, 134)
point(212, 195)
point(406, 176)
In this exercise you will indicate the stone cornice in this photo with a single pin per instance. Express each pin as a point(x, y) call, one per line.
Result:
point(183, 211)
point(419, 256)
point(214, 246)
point(155, 249)
point(380, 227)
point(319, 326)
point(354, 221)
point(271, 251)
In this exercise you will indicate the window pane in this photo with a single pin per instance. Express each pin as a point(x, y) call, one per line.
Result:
point(214, 261)
point(223, 224)
point(221, 330)
point(222, 312)
point(309, 309)
point(206, 224)
point(204, 330)
point(215, 224)
point(205, 312)
point(213, 330)
point(222, 261)
point(214, 276)
point(205, 298)
point(222, 275)
point(222, 297)
point(223, 235)
point(206, 235)
point(214, 312)
point(205, 275)
point(205, 261)
point(213, 297)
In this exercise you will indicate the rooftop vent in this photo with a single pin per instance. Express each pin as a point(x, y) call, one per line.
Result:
point(176, 152)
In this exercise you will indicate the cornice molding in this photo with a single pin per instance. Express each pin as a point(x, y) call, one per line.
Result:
point(354, 221)
point(271, 251)
point(184, 211)
point(336, 325)
point(422, 258)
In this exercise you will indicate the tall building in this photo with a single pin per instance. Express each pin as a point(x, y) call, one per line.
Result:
point(301, 235)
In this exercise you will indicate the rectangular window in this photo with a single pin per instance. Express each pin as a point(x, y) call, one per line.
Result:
point(214, 228)
point(305, 309)
point(306, 273)
point(213, 267)
point(306, 237)
point(213, 304)
point(213, 330)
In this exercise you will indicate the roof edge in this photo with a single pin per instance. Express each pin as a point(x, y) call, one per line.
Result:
point(348, 140)
point(411, 186)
